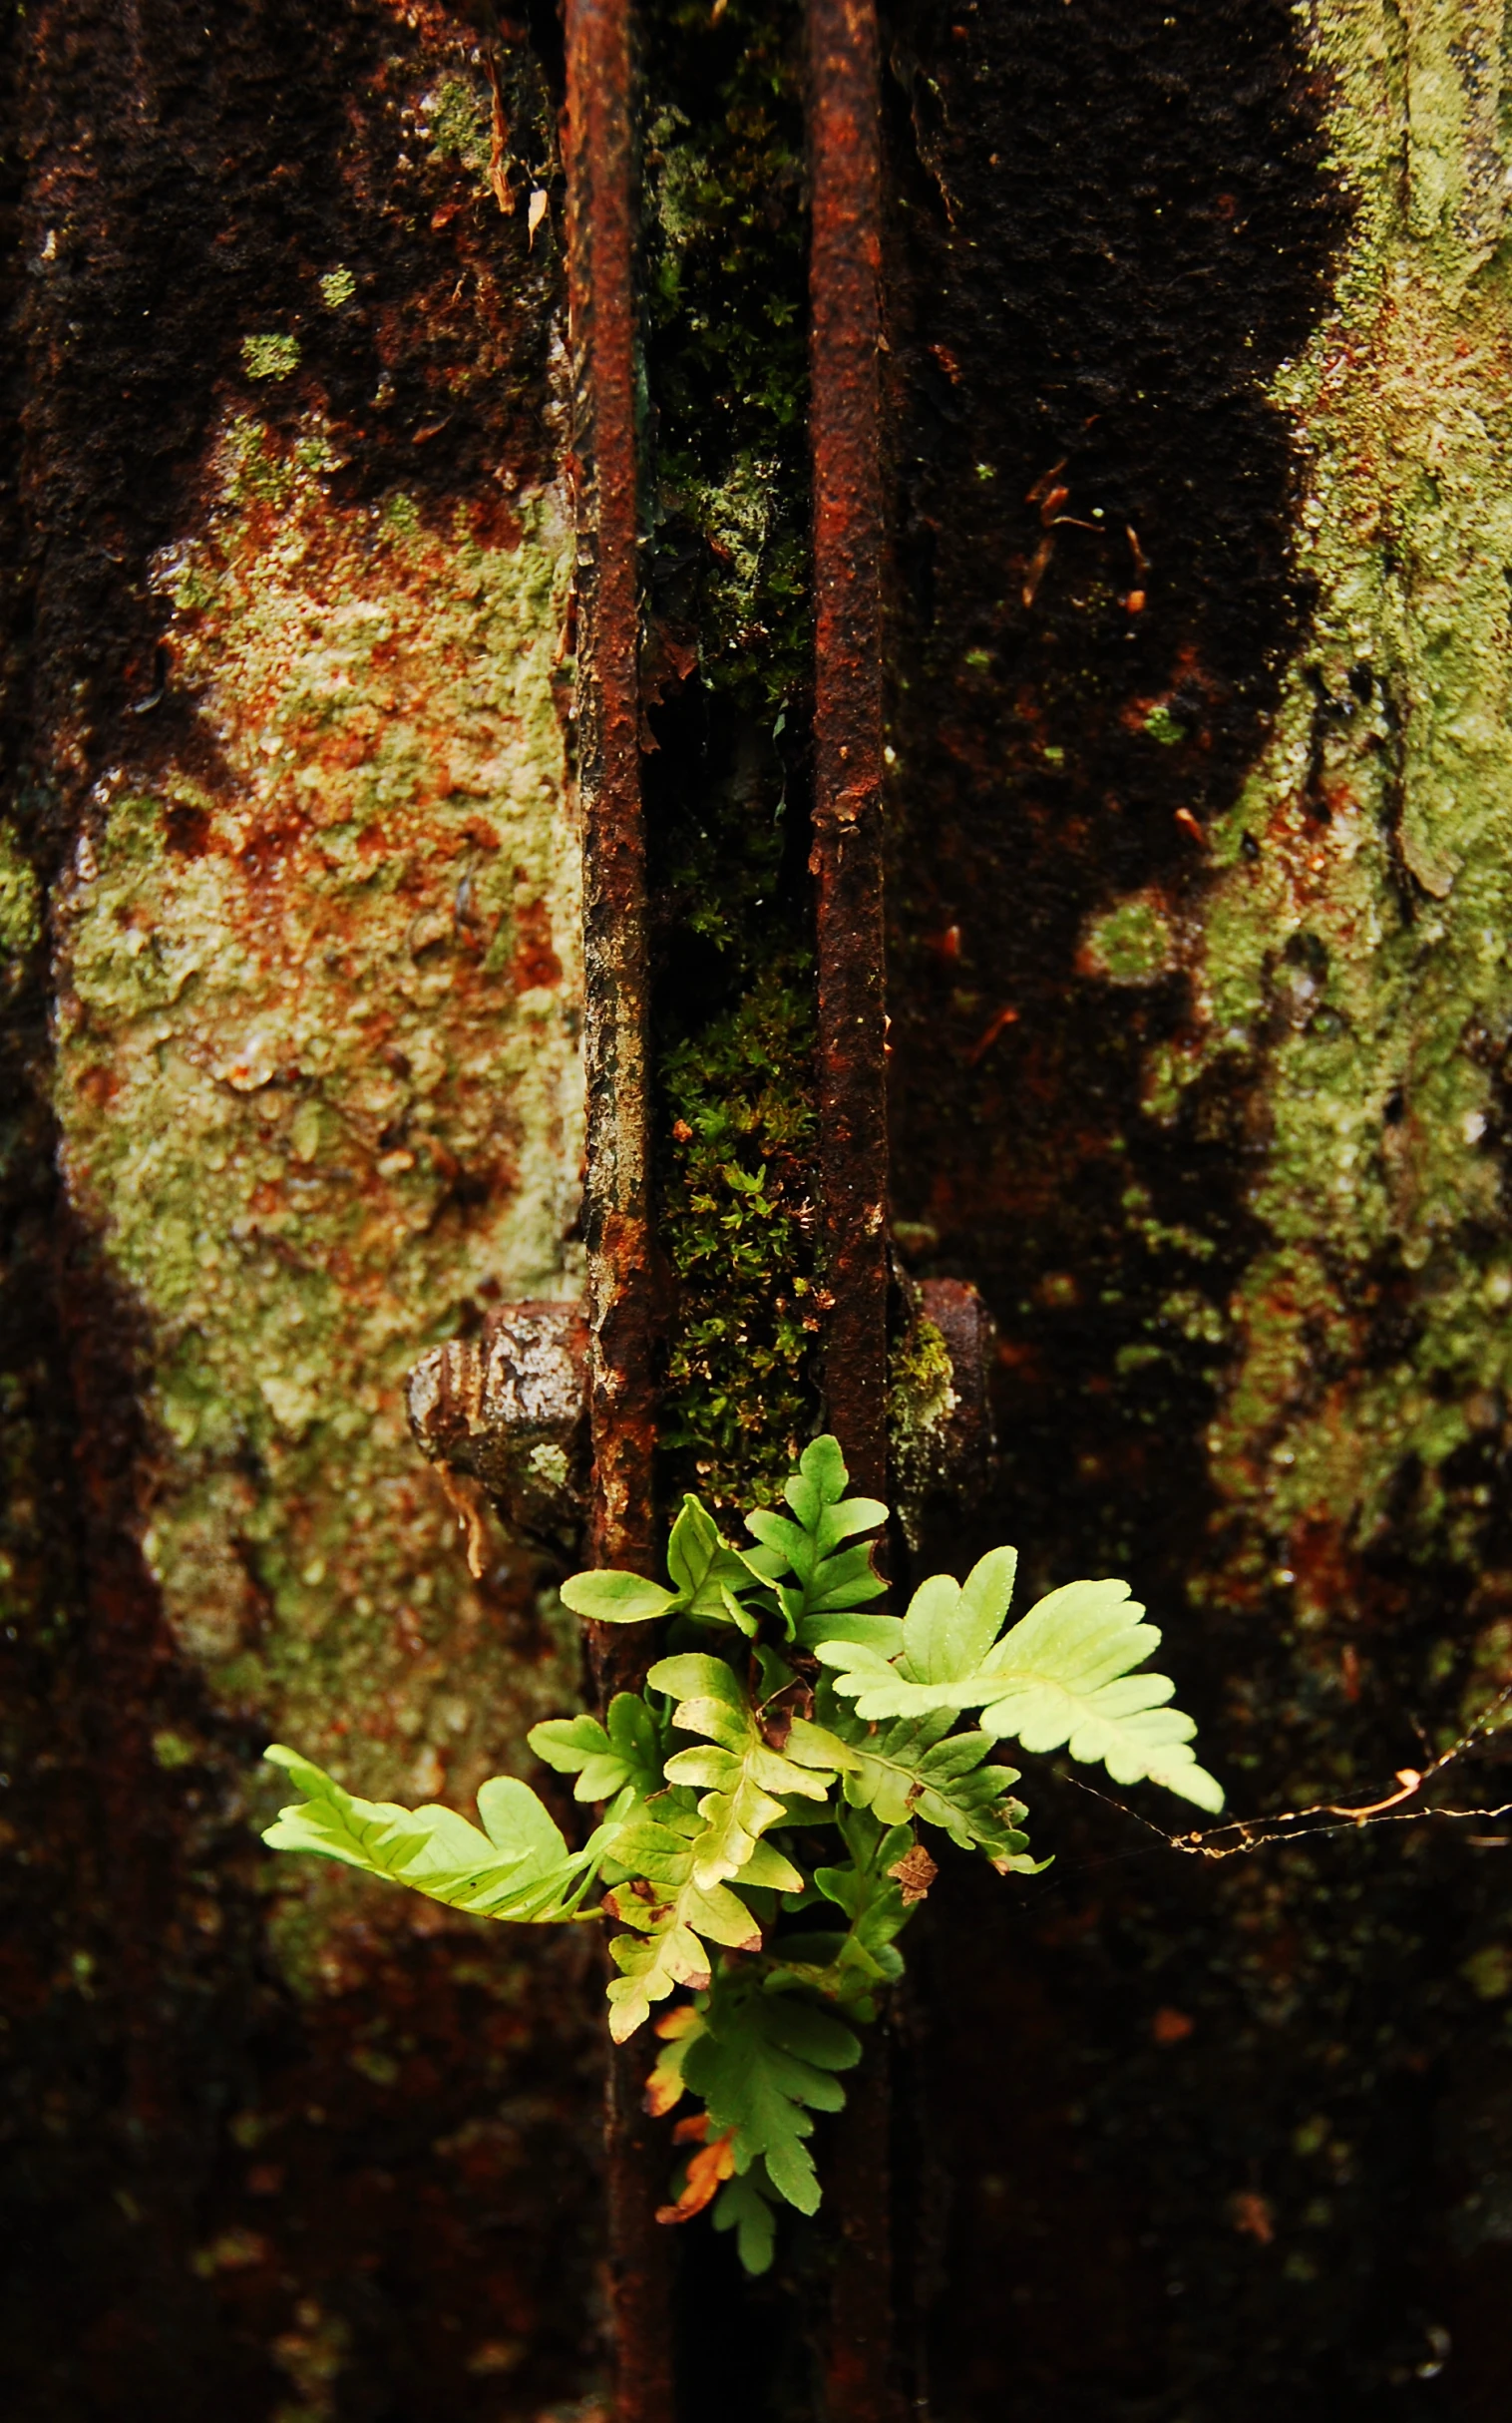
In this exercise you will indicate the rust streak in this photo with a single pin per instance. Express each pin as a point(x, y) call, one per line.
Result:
point(621, 1305)
point(620, 1294)
point(847, 862)
point(848, 718)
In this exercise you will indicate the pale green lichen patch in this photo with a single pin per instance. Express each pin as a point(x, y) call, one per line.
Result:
point(20, 910)
point(458, 114)
point(920, 1382)
point(337, 288)
point(1162, 727)
point(1355, 952)
point(319, 1089)
point(921, 1398)
point(1132, 943)
point(270, 357)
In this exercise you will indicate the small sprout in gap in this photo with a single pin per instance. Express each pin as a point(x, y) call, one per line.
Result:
point(270, 357)
point(758, 1848)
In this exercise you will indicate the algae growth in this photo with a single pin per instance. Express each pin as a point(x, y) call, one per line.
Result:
point(1355, 959)
point(728, 657)
point(318, 1080)
point(737, 1221)
point(20, 909)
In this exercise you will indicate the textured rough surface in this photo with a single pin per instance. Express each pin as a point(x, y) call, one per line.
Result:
point(847, 856)
point(1353, 955)
point(287, 710)
point(1198, 319)
point(727, 778)
point(1200, 1008)
point(508, 1410)
point(317, 1080)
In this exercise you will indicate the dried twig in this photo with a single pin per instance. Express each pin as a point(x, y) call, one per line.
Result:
point(1329, 1816)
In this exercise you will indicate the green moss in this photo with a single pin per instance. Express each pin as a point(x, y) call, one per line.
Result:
point(1489, 1971)
point(253, 470)
point(313, 1102)
point(1165, 727)
point(458, 113)
point(920, 1399)
point(728, 513)
point(20, 910)
point(172, 1750)
point(1354, 960)
point(270, 357)
point(1130, 944)
point(922, 1382)
point(337, 288)
point(736, 1222)
point(726, 335)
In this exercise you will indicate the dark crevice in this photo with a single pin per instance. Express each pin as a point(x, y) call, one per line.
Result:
point(726, 681)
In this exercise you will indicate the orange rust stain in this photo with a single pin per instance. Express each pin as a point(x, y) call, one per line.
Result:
point(1252, 2217)
point(98, 1085)
point(1327, 1570)
point(536, 961)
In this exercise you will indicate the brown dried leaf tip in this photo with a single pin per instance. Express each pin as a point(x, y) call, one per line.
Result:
point(708, 2171)
point(915, 1871)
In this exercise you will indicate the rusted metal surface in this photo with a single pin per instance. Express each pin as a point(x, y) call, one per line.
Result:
point(846, 864)
point(847, 858)
point(621, 1288)
point(620, 1281)
point(358, 543)
point(1107, 307)
point(861, 2365)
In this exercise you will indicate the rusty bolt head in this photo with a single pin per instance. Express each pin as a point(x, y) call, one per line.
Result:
point(508, 1410)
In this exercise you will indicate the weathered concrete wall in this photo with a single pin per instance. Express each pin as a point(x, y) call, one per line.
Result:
point(290, 869)
point(1202, 1002)
point(317, 1081)
point(1198, 331)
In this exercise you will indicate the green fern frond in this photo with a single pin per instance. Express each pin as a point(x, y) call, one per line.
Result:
point(518, 1867)
point(1061, 1676)
point(714, 1777)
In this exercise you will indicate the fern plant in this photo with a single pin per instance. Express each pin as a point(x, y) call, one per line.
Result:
point(758, 1851)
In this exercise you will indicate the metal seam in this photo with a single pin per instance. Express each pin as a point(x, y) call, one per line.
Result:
point(618, 1206)
point(846, 864)
point(847, 857)
point(601, 252)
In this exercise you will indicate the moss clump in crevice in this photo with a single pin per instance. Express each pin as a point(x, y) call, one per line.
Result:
point(727, 674)
point(738, 1222)
point(725, 340)
point(270, 357)
point(456, 119)
point(729, 629)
